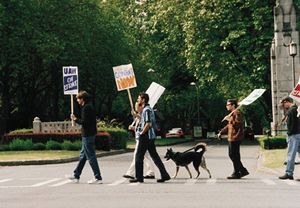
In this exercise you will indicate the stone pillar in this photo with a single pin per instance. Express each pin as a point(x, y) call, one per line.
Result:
point(36, 124)
point(282, 81)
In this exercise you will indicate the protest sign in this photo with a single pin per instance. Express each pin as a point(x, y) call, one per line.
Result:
point(248, 100)
point(295, 94)
point(125, 79)
point(70, 82)
point(252, 97)
point(154, 91)
point(70, 78)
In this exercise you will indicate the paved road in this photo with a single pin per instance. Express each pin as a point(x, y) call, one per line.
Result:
point(45, 186)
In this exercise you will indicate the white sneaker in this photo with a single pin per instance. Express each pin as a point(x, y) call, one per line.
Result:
point(95, 181)
point(72, 178)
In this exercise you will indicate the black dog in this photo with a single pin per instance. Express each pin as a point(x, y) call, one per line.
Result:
point(185, 158)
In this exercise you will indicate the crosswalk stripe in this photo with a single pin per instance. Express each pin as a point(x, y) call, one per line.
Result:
point(190, 181)
point(117, 182)
point(268, 182)
point(133, 184)
point(5, 180)
point(291, 182)
point(45, 182)
point(211, 181)
point(61, 183)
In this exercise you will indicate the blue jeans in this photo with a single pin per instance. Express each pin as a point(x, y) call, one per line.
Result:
point(88, 153)
point(293, 145)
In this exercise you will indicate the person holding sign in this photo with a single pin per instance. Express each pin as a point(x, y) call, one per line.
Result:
point(234, 129)
point(293, 132)
point(146, 143)
point(88, 132)
point(136, 127)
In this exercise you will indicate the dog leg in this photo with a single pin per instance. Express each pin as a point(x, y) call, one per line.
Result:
point(203, 165)
point(196, 166)
point(177, 169)
point(187, 168)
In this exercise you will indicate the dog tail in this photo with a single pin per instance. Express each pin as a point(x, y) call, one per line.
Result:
point(200, 146)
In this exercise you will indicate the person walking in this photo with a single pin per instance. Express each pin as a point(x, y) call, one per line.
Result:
point(293, 138)
point(146, 142)
point(235, 132)
point(135, 126)
point(88, 132)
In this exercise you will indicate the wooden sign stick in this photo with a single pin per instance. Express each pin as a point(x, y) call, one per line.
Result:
point(130, 99)
point(72, 108)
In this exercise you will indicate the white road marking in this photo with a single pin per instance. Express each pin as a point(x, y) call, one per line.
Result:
point(117, 182)
point(5, 180)
point(211, 181)
point(133, 184)
point(268, 182)
point(190, 181)
point(45, 182)
point(62, 183)
point(291, 182)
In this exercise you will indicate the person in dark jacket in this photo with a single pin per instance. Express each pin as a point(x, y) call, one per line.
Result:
point(88, 132)
point(235, 132)
point(293, 132)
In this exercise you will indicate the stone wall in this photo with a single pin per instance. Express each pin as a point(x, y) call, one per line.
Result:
point(54, 127)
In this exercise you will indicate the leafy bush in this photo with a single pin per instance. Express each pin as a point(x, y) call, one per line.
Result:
point(120, 137)
point(21, 145)
point(277, 142)
point(4, 147)
point(109, 137)
point(67, 145)
point(53, 145)
point(39, 146)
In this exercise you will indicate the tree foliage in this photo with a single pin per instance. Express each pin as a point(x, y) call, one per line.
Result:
point(222, 46)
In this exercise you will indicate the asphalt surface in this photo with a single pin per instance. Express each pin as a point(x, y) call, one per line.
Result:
point(45, 185)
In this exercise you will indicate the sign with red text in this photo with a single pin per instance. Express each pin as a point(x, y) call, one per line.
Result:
point(295, 94)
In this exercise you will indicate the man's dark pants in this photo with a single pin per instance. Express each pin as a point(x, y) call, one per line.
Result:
point(234, 154)
point(147, 144)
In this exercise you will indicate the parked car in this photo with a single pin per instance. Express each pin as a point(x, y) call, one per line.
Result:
point(175, 132)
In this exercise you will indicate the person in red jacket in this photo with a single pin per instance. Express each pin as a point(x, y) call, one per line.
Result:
point(235, 132)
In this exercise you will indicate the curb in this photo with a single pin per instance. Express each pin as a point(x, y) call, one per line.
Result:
point(57, 161)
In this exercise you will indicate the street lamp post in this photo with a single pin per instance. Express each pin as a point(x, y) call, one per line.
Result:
point(292, 50)
point(198, 102)
point(293, 53)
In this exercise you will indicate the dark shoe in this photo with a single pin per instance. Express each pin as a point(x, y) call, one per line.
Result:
point(286, 176)
point(234, 176)
point(163, 179)
point(149, 177)
point(244, 173)
point(128, 176)
point(135, 181)
point(296, 163)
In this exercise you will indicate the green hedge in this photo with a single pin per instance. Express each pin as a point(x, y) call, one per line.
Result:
point(277, 142)
point(22, 145)
point(119, 135)
point(107, 138)
point(103, 139)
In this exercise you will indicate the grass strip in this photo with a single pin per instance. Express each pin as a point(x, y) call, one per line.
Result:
point(274, 158)
point(36, 155)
